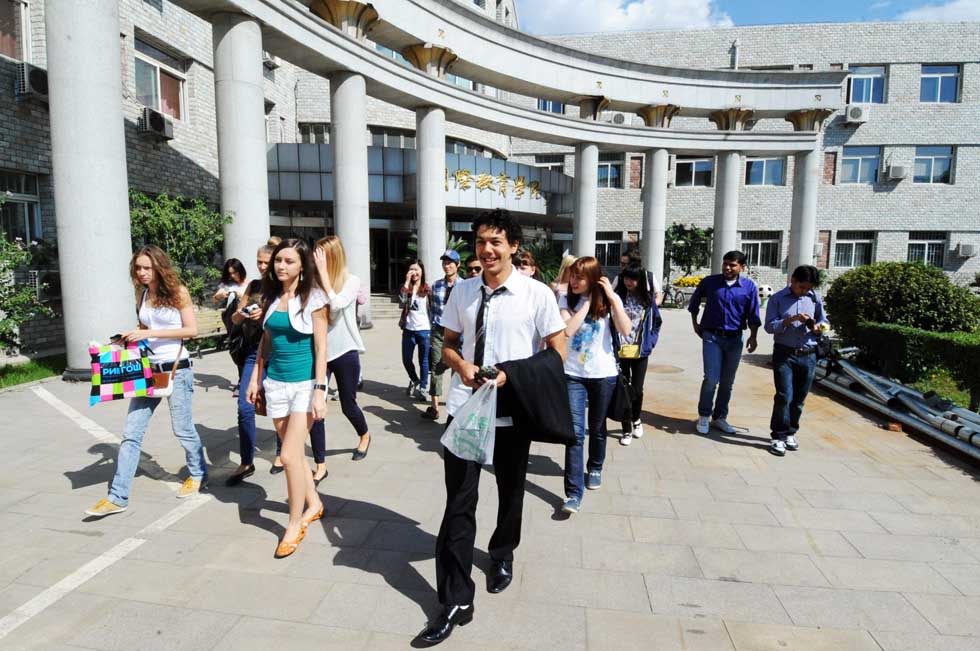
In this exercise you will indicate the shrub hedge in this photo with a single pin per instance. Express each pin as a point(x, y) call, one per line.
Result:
point(908, 354)
point(901, 293)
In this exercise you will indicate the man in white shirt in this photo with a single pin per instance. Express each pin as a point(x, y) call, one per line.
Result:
point(518, 314)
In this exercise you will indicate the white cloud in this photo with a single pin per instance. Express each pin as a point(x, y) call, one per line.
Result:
point(952, 11)
point(877, 6)
point(578, 16)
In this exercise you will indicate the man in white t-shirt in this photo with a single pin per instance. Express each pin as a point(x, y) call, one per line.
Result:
point(518, 314)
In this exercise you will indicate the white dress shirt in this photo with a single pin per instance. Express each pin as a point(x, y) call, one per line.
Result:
point(516, 321)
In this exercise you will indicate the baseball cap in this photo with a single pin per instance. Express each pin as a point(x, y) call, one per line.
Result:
point(452, 255)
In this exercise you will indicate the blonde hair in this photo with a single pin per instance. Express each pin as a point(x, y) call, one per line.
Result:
point(273, 241)
point(564, 271)
point(336, 262)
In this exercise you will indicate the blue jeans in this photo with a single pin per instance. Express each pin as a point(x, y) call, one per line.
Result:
point(793, 375)
point(596, 394)
point(182, 421)
point(246, 414)
point(721, 357)
point(411, 339)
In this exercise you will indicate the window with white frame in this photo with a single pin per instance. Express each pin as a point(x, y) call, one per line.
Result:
point(928, 247)
point(761, 247)
point(608, 247)
point(550, 106)
point(314, 133)
point(765, 171)
point(20, 215)
point(933, 165)
point(939, 84)
point(388, 52)
point(693, 172)
point(866, 85)
point(160, 80)
point(860, 165)
point(610, 170)
point(15, 29)
point(854, 248)
point(553, 162)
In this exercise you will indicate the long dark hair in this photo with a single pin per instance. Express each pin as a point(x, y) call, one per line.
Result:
point(424, 288)
point(642, 291)
point(271, 285)
point(589, 268)
point(232, 264)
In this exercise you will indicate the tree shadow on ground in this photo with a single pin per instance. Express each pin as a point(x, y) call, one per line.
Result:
point(685, 427)
point(762, 360)
point(207, 381)
point(102, 470)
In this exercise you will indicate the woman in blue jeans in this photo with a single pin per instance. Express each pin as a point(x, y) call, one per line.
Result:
point(591, 309)
point(166, 318)
point(415, 297)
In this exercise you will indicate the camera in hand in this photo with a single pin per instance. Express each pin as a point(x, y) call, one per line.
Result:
point(810, 324)
point(251, 309)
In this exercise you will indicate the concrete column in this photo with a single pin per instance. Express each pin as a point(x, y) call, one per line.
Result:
point(88, 156)
point(726, 207)
point(351, 217)
point(240, 106)
point(586, 199)
point(430, 179)
point(654, 211)
point(803, 226)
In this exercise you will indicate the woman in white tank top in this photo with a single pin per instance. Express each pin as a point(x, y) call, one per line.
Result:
point(166, 318)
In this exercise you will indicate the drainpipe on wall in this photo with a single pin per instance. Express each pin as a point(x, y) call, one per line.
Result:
point(734, 53)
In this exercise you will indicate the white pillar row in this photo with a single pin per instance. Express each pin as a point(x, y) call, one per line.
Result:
point(430, 178)
point(240, 107)
point(654, 226)
point(803, 224)
point(726, 207)
point(351, 216)
point(88, 156)
point(586, 199)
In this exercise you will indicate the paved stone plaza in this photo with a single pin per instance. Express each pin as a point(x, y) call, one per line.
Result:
point(865, 539)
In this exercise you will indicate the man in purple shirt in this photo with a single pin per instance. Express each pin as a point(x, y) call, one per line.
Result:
point(730, 304)
point(795, 318)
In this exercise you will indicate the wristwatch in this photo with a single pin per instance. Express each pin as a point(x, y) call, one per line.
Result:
point(321, 387)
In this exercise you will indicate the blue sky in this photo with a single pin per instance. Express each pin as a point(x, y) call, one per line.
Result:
point(577, 16)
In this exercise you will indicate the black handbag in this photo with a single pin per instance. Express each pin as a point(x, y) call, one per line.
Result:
point(621, 406)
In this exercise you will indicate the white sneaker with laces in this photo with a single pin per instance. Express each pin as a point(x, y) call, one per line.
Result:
point(637, 430)
point(626, 439)
point(778, 447)
point(791, 443)
point(722, 424)
point(702, 425)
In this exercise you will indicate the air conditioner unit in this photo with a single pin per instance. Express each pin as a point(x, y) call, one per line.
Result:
point(618, 118)
point(857, 113)
point(269, 61)
point(965, 250)
point(897, 172)
point(155, 124)
point(32, 81)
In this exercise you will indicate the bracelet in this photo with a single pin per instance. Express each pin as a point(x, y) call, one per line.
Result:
point(321, 387)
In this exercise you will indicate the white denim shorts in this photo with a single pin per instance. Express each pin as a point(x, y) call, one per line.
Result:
point(284, 398)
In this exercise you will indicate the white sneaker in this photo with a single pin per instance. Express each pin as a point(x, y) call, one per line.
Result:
point(722, 424)
point(626, 439)
point(791, 443)
point(637, 430)
point(702, 425)
point(778, 447)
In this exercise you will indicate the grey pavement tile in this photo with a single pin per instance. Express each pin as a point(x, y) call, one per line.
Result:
point(644, 484)
point(59, 623)
point(932, 505)
point(863, 609)
point(551, 549)
point(705, 598)
point(259, 595)
point(685, 532)
point(964, 487)
point(52, 566)
point(132, 625)
point(766, 637)
point(875, 485)
point(10, 496)
point(911, 548)
point(828, 519)
point(890, 641)
point(616, 504)
point(895, 576)
point(597, 525)
point(927, 525)
point(160, 583)
point(14, 595)
point(742, 565)
point(400, 536)
point(375, 609)
point(260, 634)
point(716, 511)
point(514, 624)
point(644, 558)
point(623, 631)
point(781, 477)
point(950, 614)
point(822, 499)
point(172, 547)
point(335, 564)
point(796, 541)
point(966, 577)
point(584, 587)
point(739, 491)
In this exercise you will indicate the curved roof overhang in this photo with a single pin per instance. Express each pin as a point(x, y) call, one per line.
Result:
point(293, 33)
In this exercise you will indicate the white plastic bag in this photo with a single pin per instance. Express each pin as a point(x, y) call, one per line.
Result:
point(471, 434)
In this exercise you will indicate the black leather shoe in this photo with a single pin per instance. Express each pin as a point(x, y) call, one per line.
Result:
point(501, 574)
point(237, 478)
point(361, 454)
point(442, 626)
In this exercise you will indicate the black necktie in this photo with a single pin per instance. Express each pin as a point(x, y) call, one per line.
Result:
point(481, 329)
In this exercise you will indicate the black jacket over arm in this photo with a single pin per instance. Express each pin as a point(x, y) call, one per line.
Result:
point(536, 394)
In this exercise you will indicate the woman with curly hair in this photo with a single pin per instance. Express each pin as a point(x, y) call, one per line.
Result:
point(166, 318)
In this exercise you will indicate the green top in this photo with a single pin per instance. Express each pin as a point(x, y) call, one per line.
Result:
point(291, 357)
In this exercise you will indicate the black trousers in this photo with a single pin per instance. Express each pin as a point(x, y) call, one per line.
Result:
point(457, 534)
point(635, 372)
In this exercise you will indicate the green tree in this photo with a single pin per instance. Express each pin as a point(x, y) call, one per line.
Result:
point(18, 302)
point(546, 257)
point(687, 247)
point(187, 229)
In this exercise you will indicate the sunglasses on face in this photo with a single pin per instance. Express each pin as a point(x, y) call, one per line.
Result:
point(475, 270)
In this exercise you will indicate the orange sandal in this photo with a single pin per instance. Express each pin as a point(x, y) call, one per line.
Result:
point(313, 518)
point(287, 548)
